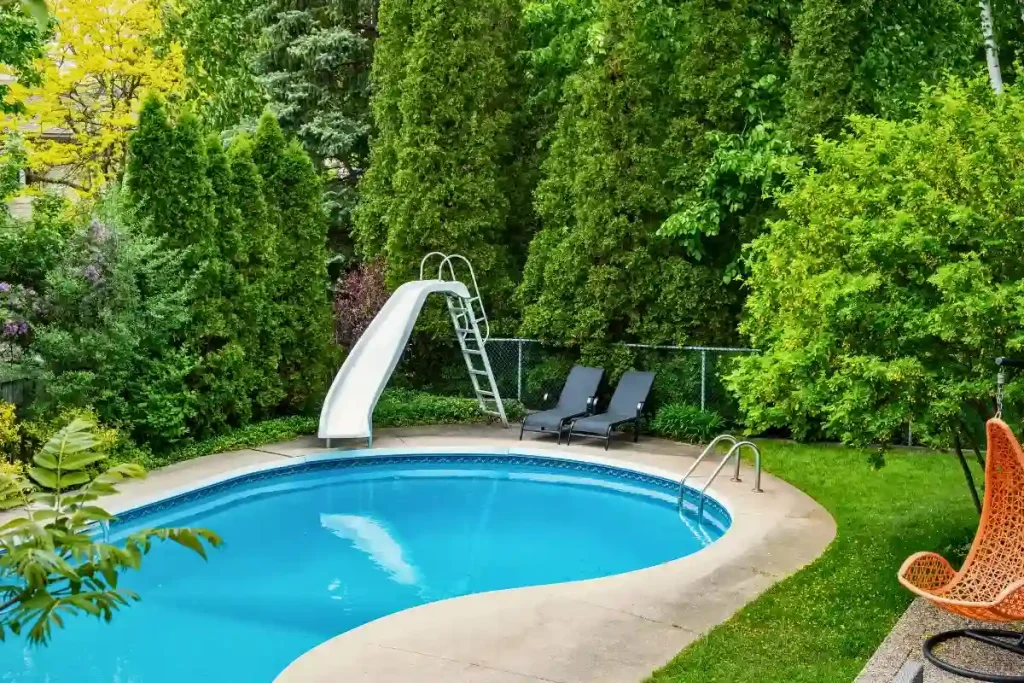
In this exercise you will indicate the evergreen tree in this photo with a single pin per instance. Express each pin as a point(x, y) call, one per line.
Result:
point(257, 269)
point(302, 311)
point(444, 145)
point(173, 174)
point(314, 62)
point(302, 250)
point(149, 165)
point(599, 271)
point(373, 215)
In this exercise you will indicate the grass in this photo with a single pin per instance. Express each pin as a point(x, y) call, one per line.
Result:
point(823, 623)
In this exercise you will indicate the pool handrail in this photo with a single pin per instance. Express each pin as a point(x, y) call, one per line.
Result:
point(737, 448)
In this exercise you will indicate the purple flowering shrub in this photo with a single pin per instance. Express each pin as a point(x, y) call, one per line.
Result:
point(18, 304)
point(358, 297)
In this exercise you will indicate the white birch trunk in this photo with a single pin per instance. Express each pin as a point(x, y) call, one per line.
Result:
point(995, 74)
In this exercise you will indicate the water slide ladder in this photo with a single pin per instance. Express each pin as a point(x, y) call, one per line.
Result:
point(467, 316)
point(736, 447)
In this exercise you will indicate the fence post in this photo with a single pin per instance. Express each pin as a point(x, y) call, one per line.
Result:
point(703, 379)
point(519, 373)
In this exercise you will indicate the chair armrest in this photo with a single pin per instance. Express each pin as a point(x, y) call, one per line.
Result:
point(639, 410)
point(926, 572)
point(592, 405)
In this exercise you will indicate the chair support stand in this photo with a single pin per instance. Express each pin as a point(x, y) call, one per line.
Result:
point(1010, 641)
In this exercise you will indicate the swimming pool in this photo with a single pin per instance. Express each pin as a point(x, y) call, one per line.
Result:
point(318, 548)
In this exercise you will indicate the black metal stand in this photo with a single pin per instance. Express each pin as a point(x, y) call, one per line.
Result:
point(1011, 641)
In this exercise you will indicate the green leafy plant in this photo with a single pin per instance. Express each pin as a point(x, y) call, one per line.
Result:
point(51, 564)
point(684, 422)
point(442, 104)
point(894, 280)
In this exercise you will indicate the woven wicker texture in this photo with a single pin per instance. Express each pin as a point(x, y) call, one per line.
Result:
point(990, 585)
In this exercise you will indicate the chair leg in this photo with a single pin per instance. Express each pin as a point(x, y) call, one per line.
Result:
point(522, 428)
point(558, 442)
point(568, 438)
point(636, 431)
point(1010, 641)
point(607, 438)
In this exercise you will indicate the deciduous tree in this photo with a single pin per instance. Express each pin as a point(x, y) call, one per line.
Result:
point(93, 73)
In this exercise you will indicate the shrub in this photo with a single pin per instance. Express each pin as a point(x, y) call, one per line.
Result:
point(895, 278)
point(114, 330)
point(10, 433)
point(358, 297)
point(402, 408)
point(683, 422)
point(546, 377)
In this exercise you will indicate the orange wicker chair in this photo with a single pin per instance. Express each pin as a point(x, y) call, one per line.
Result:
point(990, 585)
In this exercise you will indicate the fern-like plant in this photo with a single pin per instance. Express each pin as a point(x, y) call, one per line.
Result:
point(52, 563)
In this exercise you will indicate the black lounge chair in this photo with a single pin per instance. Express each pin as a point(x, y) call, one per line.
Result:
point(626, 407)
point(578, 394)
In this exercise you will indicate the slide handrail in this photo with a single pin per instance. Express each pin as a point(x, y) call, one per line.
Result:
point(423, 261)
point(449, 261)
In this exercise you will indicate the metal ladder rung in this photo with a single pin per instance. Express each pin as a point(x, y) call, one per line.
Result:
point(467, 314)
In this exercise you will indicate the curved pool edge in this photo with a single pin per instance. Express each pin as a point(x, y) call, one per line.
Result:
point(616, 628)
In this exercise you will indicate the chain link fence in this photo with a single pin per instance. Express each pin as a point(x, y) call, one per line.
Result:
point(528, 370)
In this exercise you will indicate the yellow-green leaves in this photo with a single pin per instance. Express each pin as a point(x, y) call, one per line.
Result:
point(52, 565)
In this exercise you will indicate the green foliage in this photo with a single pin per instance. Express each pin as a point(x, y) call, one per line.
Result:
point(21, 42)
point(113, 329)
point(437, 179)
point(402, 408)
point(255, 259)
point(301, 292)
point(683, 422)
point(51, 565)
point(313, 61)
point(250, 224)
point(893, 281)
point(882, 516)
point(598, 271)
point(871, 58)
point(184, 192)
point(30, 249)
point(10, 432)
point(218, 40)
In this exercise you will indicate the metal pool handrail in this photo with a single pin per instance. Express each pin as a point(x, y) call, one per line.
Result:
point(711, 446)
point(736, 449)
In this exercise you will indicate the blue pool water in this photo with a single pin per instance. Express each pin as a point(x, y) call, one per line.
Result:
point(313, 551)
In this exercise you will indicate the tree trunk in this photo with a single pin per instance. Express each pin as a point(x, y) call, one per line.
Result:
point(995, 74)
point(967, 472)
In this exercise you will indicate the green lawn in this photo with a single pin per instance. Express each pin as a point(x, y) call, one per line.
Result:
point(822, 624)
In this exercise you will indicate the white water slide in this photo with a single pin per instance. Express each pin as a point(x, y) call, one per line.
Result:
point(348, 409)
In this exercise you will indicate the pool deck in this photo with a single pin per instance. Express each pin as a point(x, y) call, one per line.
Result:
point(613, 629)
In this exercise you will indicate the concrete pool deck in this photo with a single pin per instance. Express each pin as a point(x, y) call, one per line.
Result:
point(613, 629)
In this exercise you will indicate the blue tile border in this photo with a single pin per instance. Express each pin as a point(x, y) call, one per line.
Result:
point(720, 516)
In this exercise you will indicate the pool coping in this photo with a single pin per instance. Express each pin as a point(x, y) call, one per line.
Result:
point(617, 628)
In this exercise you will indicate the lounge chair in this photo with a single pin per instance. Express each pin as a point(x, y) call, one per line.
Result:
point(990, 584)
point(626, 407)
point(578, 394)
